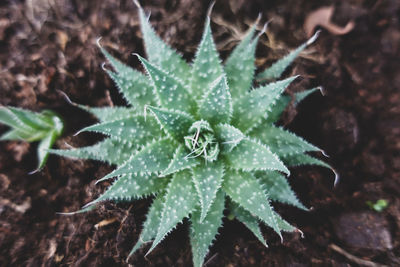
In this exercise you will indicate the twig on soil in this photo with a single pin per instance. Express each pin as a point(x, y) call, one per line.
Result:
point(353, 258)
point(79, 261)
point(105, 223)
point(124, 218)
point(69, 238)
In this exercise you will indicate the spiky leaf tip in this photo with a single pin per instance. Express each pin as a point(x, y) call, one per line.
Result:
point(240, 65)
point(160, 53)
point(250, 221)
point(206, 67)
point(282, 142)
point(131, 83)
point(132, 186)
point(151, 224)
point(279, 189)
point(276, 70)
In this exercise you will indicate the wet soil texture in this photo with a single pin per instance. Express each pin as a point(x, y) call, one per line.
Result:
point(50, 46)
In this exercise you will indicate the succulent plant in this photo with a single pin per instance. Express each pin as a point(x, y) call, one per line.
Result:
point(199, 139)
point(29, 126)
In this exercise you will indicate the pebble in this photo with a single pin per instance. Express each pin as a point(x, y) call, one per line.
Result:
point(364, 230)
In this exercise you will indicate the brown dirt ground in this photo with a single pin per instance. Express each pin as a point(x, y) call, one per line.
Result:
point(46, 46)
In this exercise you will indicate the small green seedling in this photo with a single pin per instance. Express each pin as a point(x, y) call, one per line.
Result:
point(29, 126)
point(379, 205)
point(199, 138)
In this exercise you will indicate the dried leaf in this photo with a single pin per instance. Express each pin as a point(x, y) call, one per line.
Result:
point(322, 17)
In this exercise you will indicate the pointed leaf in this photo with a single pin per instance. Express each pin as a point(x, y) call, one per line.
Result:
point(276, 70)
point(280, 105)
point(175, 123)
point(132, 84)
point(137, 129)
point(13, 135)
point(132, 186)
point(180, 161)
point(229, 136)
point(279, 189)
point(203, 233)
point(83, 210)
point(35, 120)
point(303, 159)
point(17, 134)
point(43, 147)
point(24, 120)
point(284, 225)
point(109, 150)
point(32, 126)
point(118, 66)
point(160, 53)
point(152, 158)
point(240, 65)
point(216, 106)
point(10, 119)
point(253, 106)
point(251, 155)
point(207, 179)
point(300, 96)
point(244, 189)
point(151, 224)
point(179, 202)
point(170, 91)
point(250, 221)
point(206, 67)
point(280, 141)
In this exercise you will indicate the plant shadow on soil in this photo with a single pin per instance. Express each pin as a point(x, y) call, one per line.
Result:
point(50, 46)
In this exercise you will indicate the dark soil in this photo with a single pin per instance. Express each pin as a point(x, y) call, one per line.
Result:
point(47, 46)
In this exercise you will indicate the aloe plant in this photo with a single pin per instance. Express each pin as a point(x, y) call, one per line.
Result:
point(29, 126)
point(199, 139)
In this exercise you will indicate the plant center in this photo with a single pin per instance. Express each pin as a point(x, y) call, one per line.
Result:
point(201, 141)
